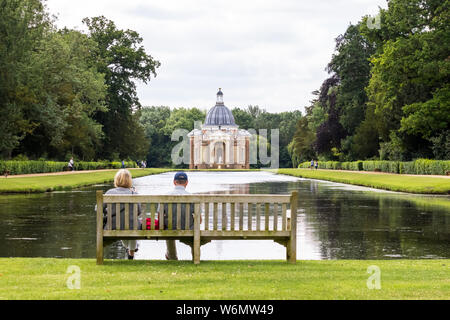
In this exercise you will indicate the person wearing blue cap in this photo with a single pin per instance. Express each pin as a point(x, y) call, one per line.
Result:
point(180, 182)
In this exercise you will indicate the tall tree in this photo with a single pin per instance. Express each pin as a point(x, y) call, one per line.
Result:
point(301, 148)
point(351, 64)
point(23, 24)
point(409, 83)
point(330, 133)
point(123, 60)
point(154, 120)
point(67, 92)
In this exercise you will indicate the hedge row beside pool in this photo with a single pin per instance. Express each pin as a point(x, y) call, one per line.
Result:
point(420, 166)
point(28, 167)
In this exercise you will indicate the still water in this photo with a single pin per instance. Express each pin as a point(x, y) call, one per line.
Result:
point(335, 221)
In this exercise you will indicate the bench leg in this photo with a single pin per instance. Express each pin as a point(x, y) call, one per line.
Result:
point(196, 252)
point(291, 252)
point(100, 249)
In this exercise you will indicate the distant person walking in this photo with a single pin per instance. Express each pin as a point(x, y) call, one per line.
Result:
point(71, 165)
point(317, 164)
point(123, 164)
point(312, 164)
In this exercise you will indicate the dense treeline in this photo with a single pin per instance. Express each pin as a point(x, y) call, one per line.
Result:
point(388, 95)
point(67, 93)
point(160, 122)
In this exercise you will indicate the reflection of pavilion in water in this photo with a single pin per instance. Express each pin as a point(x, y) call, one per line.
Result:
point(237, 189)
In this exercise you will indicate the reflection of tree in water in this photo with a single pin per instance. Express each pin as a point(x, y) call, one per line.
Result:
point(60, 224)
point(370, 226)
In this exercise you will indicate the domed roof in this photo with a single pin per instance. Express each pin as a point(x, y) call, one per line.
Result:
point(220, 115)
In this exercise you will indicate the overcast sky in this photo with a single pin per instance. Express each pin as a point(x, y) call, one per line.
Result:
point(270, 53)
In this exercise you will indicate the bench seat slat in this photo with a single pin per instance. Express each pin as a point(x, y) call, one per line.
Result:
point(143, 234)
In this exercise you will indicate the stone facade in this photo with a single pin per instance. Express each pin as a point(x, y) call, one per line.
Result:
point(219, 144)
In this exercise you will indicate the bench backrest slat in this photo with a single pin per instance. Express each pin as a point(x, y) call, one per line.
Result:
point(135, 216)
point(109, 218)
point(259, 198)
point(118, 216)
point(275, 217)
point(161, 220)
point(241, 216)
point(233, 212)
point(207, 216)
point(283, 217)
point(178, 217)
point(266, 218)
point(215, 213)
point(187, 215)
point(127, 217)
point(224, 216)
point(153, 216)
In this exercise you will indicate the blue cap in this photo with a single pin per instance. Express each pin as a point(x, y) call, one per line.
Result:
point(180, 176)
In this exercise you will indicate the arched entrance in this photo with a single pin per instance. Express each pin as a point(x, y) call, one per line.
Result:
point(219, 153)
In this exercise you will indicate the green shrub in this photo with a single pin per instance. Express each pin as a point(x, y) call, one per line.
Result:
point(29, 167)
point(419, 166)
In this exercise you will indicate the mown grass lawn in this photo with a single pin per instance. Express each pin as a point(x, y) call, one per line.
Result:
point(64, 182)
point(222, 280)
point(393, 182)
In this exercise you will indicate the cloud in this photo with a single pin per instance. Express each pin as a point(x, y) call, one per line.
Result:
point(268, 53)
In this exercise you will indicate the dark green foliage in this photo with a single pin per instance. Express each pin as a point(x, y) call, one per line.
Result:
point(123, 60)
point(65, 93)
point(419, 166)
point(253, 117)
point(388, 87)
point(29, 167)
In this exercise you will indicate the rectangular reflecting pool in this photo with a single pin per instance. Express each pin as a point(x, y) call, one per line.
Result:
point(335, 221)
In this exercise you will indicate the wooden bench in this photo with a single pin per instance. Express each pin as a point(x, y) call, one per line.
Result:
point(225, 217)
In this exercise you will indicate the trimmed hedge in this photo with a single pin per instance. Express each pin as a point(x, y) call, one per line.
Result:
point(419, 166)
point(29, 167)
